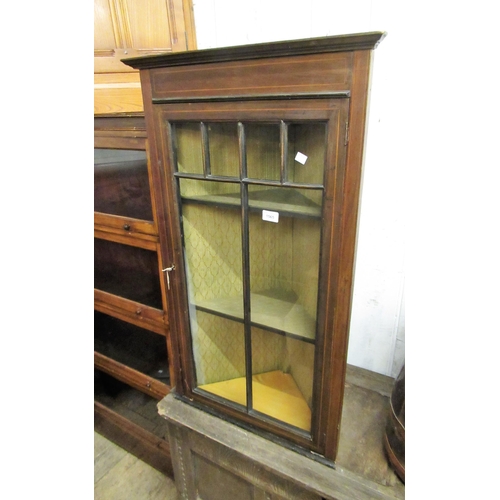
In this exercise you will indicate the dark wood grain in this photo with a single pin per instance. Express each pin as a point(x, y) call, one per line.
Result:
point(346, 243)
point(339, 43)
point(279, 77)
point(254, 84)
point(131, 229)
point(132, 377)
point(166, 216)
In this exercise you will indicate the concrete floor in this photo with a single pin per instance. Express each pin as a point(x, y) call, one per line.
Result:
point(118, 475)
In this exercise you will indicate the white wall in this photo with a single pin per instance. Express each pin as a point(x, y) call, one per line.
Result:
point(377, 324)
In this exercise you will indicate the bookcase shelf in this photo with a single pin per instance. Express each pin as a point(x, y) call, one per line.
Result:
point(273, 310)
point(284, 201)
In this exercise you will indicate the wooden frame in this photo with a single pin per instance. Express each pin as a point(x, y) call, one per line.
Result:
point(127, 132)
point(124, 28)
point(300, 78)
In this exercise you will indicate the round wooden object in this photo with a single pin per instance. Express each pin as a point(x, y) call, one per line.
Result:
point(394, 440)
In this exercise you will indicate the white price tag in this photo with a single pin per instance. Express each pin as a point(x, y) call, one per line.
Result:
point(301, 158)
point(270, 216)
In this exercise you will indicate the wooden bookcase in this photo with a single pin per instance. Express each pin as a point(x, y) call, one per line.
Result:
point(132, 366)
point(256, 154)
point(134, 27)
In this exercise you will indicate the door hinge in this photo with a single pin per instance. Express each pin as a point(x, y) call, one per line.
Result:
point(346, 138)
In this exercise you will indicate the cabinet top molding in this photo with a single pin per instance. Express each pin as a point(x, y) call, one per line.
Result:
point(338, 43)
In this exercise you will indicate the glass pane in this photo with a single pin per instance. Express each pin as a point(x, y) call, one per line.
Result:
point(188, 146)
point(284, 270)
point(212, 241)
point(219, 355)
point(282, 379)
point(263, 152)
point(306, 152)
point(132, 346)
point(210, 192)
point(224, 149)
point(289, 201)
point(121, 183)
point(128, 272)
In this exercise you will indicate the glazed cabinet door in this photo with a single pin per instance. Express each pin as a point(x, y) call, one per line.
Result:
point(251, 189)
point(130, 323)
point(127, 272)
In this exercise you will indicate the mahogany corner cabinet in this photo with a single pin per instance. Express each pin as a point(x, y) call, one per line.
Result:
point(256, 155)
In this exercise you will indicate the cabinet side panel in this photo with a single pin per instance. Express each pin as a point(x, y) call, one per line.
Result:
point(343, 283)
point(276, 76)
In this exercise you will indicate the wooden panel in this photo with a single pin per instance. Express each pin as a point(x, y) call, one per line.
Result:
point(118, 99)
point(111, 310)
point(124, 226)
point(319, 109)
point(104, 30)
point(213, 481)
point(342, 277)
point(133, 312)
point(148, 242)
point(190, 28)
point(131, 124)
point(133, 438)
point(132, 377)
point(117, 93)
point(133, 28)
point(104, 140)
point(154, 15)
point(120, 131)
point(282, 471)
point(109, 61)
point(101, 79)
point(311, 74)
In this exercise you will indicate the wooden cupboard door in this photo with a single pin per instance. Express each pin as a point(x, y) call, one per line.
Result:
point(254, 201)
point(126, 28)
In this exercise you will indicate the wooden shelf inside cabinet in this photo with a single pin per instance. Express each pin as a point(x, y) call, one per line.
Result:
point(286, 202)
point(273, 310)
point(274, 394)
